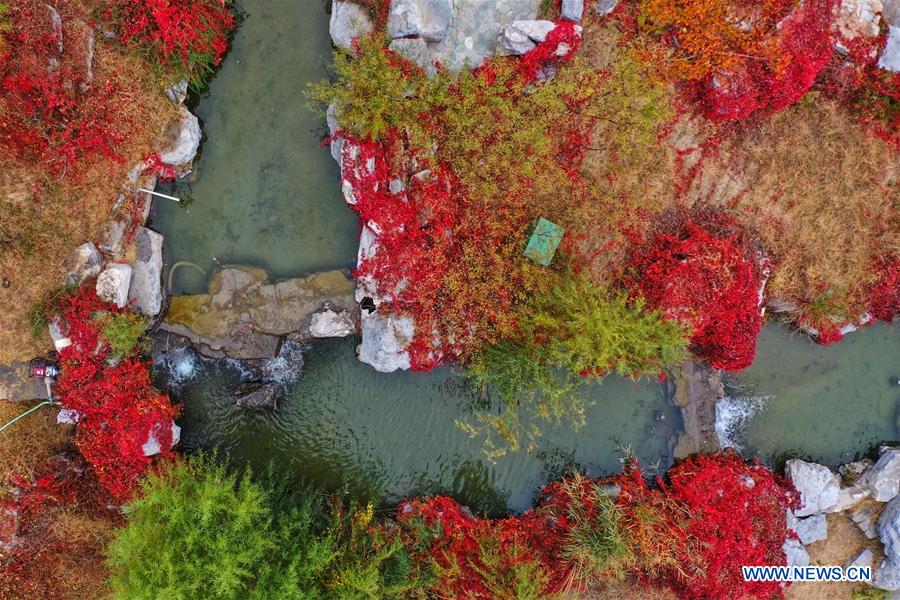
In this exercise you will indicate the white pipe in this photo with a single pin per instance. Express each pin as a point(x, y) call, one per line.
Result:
point(158, 194)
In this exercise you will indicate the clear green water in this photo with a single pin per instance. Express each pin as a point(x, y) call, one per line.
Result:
point(829, 404)
point(265, 191)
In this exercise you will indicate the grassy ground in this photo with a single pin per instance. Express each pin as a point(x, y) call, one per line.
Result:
point(43, 218)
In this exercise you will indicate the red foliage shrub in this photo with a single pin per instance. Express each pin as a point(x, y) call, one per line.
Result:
point(193, 32)
point(804, 47)
point(703, 273)
point(117, 403)
point(885, 294)
point(49, 110)
point(738, 516)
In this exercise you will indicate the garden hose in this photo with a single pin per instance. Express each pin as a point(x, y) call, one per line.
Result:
point(27, 412)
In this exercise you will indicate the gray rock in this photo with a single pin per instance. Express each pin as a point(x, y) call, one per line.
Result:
point(16, 383)
point(864, 517)
point(113, 284)
point(604, 7)
point(185, 141)
point(329, 323)
point(794, 553)
point(890, 12)
point(887, 576)
point(888, 529)
point(514, 41)
point(177, 91)
point(429, 19)
point(337, 143)
point(68, 416)
point(114, 234)
point(849, 497)
point(82, 263)
point(890, 57)
point(883, 478)
point(864, 558)
point(818, 487)
point(572, 10)
point(809, 529)
point(853, 471)
point(257, 395)
point(348, 21)
point(384, 341)
point(416, 51)
point(146, 281)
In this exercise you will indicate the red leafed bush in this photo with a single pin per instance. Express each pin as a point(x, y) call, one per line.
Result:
point(49, 110)
point(884, 296)
point(738, 516)
point(804, 46)
point(482, 558)
point(118, 405)
point(703, 272)
point(193, 33)
point(560, 45)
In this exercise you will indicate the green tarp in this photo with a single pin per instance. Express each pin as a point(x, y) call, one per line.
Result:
point(544, 241)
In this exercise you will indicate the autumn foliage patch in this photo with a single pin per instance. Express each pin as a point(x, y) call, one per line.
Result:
point(119, 409)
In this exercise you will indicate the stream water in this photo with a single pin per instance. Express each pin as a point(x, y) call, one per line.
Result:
point(266, 194)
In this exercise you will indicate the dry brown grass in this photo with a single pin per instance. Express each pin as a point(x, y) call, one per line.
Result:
point(25, 445)
point(43, 218)
point(823, 194)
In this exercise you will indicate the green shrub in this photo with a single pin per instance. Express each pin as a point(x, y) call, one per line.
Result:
point(199, 531)
point(122, 331)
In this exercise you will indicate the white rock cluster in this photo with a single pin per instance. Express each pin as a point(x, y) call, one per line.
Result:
point(822, 491)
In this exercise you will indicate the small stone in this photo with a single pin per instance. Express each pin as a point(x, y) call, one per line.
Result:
point(864, 558)
point(177, 91)
point(809, 529)
point(82, 263)
point(348, 21)
point(114, 234)
point(429, 19)
point(152, 446)
point(113, 283)
point(795, 554)
point(864, 518)
point(572, 10)
point(604, 7)
point(68, 416)
point(819, 488)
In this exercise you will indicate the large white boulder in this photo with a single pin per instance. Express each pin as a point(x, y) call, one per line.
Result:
point(890, 57)
point(146, 280)
point(818, 486)
point(330, 323)
point(385, 339)
point(186, 140)
point(113, 284)
point(429, 19)
point(348, 21)
point(883, 478)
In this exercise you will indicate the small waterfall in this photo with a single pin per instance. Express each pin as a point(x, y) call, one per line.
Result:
point(733, 413)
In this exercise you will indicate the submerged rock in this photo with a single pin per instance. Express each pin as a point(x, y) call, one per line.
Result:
point(113, 284)
point(146, 281)
point(82, 263)
point(818, 487)
point(429, 19)
point(348, 21)
point(255, 395)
